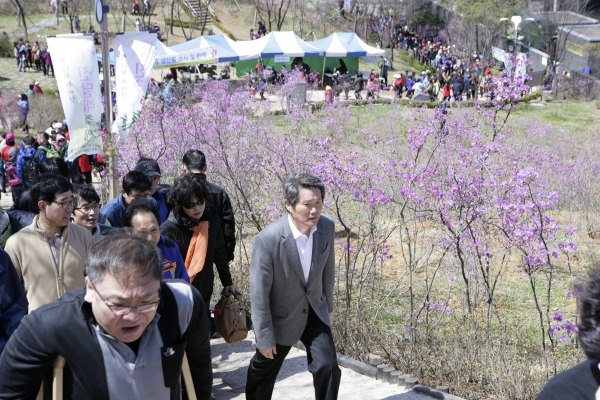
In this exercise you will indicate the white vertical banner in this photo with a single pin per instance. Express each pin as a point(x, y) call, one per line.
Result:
point(134, 58)
point(76, 71)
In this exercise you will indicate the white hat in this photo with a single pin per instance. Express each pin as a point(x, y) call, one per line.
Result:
point(36, 83)
point(397, 76)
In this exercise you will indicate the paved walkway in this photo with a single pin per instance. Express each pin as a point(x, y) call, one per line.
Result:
point(13, 81)
point(230, 366)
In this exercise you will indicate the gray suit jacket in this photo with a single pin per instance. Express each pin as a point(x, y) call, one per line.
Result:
point(279, 295)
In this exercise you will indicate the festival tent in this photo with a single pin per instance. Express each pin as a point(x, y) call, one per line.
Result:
point(280, 44)
point(276, 49)
point(345, 44)
point(227, 49)
point(161, 51)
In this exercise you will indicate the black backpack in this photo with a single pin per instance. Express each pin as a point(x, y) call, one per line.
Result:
point(31, 170)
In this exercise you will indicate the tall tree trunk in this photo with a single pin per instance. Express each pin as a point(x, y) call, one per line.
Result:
point(172, 12)
point(477, 40)
point(22, 14)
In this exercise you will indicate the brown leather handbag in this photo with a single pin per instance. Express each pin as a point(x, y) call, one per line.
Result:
point(230, 318)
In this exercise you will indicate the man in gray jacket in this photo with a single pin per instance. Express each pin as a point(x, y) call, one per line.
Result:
point(292, 274)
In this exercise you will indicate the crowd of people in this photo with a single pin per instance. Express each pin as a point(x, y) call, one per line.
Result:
point(48, 234)
point(131, 281)
point(33, 58)
point(22, 163)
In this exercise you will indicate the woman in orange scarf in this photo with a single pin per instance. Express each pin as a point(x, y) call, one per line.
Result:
point(196, 228)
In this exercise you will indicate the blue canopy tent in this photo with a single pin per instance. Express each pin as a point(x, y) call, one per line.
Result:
point(227, 49)
point(161, 51)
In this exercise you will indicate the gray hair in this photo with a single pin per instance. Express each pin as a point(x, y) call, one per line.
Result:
point(125, 257)
point(303, 180)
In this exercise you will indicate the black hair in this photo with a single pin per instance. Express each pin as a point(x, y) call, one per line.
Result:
point(194, 160)
point(589, 311)
point(185, 188)
point(44, 135)
point(29, 140)
point(125, 257)
point(10, 142)
point(294, 182)
point(31, 87)
point(136, 180)
point(142, 206)
point(55, 165)
point(85, 193)
point(46, 186)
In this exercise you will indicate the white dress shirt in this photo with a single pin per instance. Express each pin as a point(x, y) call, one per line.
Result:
point(304, 245)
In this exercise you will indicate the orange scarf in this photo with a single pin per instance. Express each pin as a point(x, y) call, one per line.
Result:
point(196, 255)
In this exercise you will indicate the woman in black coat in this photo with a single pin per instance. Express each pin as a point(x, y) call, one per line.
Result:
point(196, 228)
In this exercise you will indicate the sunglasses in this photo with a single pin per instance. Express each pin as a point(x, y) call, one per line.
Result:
point(189, 206)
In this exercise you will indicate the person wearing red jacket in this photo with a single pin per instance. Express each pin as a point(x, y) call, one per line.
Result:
point(398, 85)
point(447, 91)
point(86, 167)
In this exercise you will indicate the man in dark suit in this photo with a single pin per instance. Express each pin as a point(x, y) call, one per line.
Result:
point(292, 275)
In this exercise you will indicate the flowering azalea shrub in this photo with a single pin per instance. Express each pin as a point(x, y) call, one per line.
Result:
point(457, 231)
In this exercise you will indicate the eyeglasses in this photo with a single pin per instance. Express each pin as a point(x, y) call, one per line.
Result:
point(88, 209)
point(65, 204)
point(124, 310)
point(192, 205)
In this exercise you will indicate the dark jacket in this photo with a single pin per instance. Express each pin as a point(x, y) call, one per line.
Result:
point(221, 202)
point(64, 327)
point(25, 203)
point(178, 228)
point(25, 218)
point(161, 202)
point(172, 260)
point(358, 84)
point(14, 303)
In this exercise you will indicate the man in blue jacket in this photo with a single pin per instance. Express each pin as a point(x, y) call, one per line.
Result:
point(152, 170)
point(142, 217)
point(136, 187)
point(13, 302)
point(28, 171)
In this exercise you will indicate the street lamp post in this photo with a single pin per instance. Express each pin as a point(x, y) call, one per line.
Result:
point(111, 155)
point(516, 20)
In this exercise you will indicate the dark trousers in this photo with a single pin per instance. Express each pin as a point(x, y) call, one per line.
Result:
point(322, 364)
point(204, 282)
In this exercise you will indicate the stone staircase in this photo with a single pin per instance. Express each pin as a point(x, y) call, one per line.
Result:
point(199, 11)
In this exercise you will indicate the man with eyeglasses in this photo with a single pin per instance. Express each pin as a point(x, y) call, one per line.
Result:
point(49, 255)
point(123, 336)
point(87, 211)
point(136, 187)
